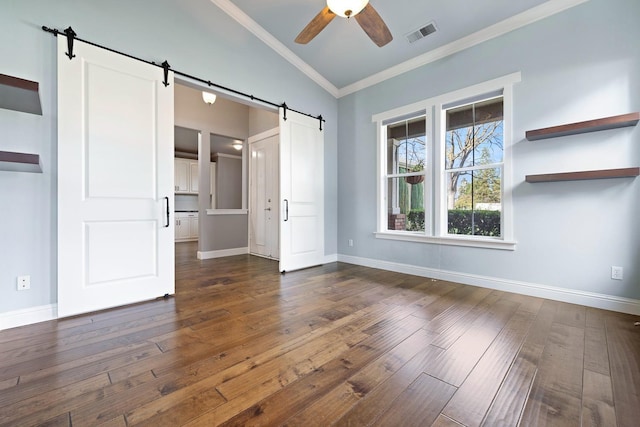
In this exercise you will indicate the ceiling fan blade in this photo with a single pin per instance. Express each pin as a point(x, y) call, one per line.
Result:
point(316, 25)
point(374, 26)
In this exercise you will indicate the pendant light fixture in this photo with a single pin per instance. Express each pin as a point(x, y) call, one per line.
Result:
point(208, 97)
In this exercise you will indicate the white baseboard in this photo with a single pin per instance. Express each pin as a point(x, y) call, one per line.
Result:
point(222, 253)
point(27, 316)
point(589, 299)
point(330, 258)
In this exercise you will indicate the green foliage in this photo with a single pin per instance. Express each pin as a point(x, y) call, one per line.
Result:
point(415, 220)
point(477, 223)
point(486, 188)
point(485, 223)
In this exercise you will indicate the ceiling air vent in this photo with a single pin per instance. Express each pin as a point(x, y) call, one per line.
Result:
point(421, 32)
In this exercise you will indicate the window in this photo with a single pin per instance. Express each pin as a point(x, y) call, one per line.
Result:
point(444, 168)
point(473, 163)
point(406, 159)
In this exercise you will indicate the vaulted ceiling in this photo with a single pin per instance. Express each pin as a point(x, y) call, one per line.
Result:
point(343, 59)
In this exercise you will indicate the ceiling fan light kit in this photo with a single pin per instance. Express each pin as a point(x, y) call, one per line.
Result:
point(366, 16)
point(346, 8)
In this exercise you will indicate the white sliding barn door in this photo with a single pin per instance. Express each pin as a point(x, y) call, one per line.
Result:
point(301, 192)
point(264, 185)
point(115, 178)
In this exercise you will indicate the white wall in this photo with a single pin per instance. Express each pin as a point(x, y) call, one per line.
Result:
point(568, 234)
point(194, 37)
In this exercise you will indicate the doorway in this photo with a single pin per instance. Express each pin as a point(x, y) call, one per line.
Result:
point(264, 194)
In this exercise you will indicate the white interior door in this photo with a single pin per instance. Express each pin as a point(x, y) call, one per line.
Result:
point(115, 180)
point(264, 184)
point(301, 192)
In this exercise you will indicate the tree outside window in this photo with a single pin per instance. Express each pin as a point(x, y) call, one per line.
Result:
point(474, 150)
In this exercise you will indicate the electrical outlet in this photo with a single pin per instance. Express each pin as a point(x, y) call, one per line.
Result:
point(24, 283)
point(617, 273)
point(350, 242)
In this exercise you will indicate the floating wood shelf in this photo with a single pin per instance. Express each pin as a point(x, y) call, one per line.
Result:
point(19, 95)
point(577, 176)
point(613, 122)
point(19, 162)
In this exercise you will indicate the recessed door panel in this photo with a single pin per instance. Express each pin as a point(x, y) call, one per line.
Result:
point(107, 138)
point(108, 260)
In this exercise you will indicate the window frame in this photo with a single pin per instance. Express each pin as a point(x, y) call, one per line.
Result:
point(435, 195)
point(427, 170)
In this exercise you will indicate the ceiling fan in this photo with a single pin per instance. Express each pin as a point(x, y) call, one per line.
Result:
point(365, 14)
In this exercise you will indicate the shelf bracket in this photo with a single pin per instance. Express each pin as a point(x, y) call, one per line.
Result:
point(71, 35)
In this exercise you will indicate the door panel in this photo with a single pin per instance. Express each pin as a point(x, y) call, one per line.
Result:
point(301, 192)
point(104, 143)
point(109, 261)
point(115, 178)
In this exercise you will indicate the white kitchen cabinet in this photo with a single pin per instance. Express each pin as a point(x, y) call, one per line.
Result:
point(181, 175)
point(193, 227)
point(186, 176)
point(186, 226)
point(193, 176)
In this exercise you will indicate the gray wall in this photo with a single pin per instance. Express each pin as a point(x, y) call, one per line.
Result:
point(261, 120)
point(228, 183)
point(568, 234)
point(194, 37)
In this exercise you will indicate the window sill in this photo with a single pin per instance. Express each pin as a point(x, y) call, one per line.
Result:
point(486, 243)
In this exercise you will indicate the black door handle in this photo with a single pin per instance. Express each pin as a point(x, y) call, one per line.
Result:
point(286, 209)
point(167, 224)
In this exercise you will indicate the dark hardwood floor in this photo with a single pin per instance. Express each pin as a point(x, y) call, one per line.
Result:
point(340, 344)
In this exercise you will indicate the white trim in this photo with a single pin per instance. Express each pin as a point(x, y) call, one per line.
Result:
point(525, 18)
point(228, 156)
point(227, 211)
point(506, 225)
point(328, 259)
point(449, 240)
point(589, 299)
point(28, 316)
point(222, 253)
point(253, 27)
point(264, 135)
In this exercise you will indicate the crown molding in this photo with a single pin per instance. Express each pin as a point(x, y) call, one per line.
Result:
point(243, 19)
point(549, 8)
